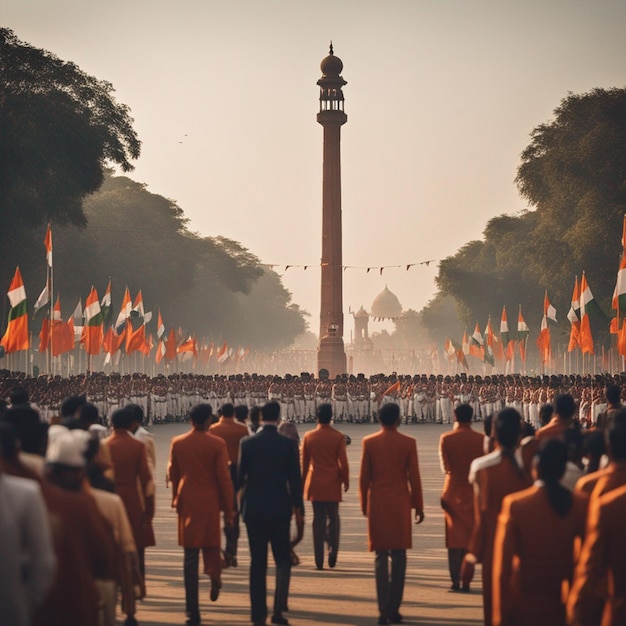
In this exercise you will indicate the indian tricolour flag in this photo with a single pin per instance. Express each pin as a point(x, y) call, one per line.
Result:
point(16, 335)
point(93, 330)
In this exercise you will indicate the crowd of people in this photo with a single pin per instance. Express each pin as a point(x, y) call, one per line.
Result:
point(355, 398)
point(77, 497)
point(543, 512)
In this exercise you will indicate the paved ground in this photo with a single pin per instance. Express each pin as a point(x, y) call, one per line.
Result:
point(344, 595)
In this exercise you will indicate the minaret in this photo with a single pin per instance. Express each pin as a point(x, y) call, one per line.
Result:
point(331, 354)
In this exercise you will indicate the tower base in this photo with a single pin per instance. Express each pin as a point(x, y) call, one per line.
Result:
point(331, 356)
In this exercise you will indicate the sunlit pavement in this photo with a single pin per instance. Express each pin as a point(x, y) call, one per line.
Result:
point(343, 595)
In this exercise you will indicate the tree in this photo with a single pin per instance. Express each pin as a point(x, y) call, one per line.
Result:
point(211, 286)
point(573, 173)
point(60, 129)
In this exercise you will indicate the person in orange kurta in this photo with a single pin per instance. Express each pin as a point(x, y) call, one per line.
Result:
point(133, 479)
point(324, 471)
point(602, 554)
point(539, 531)
point(597, 484)
point(201, 487)
point(494, 476)
point(457, 450)
point(390, 486)
point(232, 432)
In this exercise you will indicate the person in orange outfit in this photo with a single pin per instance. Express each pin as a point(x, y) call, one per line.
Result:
point(534, 547)
point(201, 487)
point(602, 554)
point(457, 450)
point(494, 476)
point(232, 432)
point(133, 479)
point(390, 486)
point(324, 471)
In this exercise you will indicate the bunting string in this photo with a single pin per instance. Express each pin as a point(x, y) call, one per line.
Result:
point(368, 268)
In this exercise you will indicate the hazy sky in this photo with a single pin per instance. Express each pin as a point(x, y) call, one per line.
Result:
point(441, 98)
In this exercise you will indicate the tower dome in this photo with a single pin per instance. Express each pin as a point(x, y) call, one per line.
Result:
point(386, 306)
point(361, 313)
point(331, 65)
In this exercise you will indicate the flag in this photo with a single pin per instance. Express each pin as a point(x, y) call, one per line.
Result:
point(124, 313)
point(621, 340)
point(48, 243)
point(62, 333)
point(188, 346)
point(105, 304)
point(160, 326)
point(548, 310)
point(454, 350)
point(543, 341)
point(476, 344)
point(522, 335)
point(504, 329)
point(489, 343)
point(44, 335)
point(586, 298)
point(574, 317)
point(619, 294)
point(93, 330)
point(77, 321)
point(465, 343)
point(16, 335)
point(138, 313)
point(112, 342)
point(43, 299)
point(160, 351)
point(391, 389)
point(222, 354)
point(135, 339)
point(508, 344)
point(170, 346)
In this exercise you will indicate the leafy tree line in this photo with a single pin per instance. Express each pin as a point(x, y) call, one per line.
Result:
point(573, 173)
point(60, 131)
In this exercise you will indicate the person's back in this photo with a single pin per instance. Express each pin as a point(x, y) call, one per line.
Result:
point(457, 449)
point(389, 487)
point(602, 557)
point(325, 470)
point(534, 545)
point(494, 476)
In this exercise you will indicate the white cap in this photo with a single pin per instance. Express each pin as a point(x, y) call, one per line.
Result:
point(68, 448)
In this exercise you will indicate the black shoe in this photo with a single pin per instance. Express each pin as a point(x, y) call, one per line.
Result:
point(465, 588)
point(131, 621)
point(396, 618)
point(455, 587)
point(193, 621)
point(216, 585)
point(279, 619)
point(383, 620)
point(332, 559)
point(319, 566)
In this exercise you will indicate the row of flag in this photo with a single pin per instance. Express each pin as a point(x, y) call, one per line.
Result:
point(583, 305)
point(87, 327)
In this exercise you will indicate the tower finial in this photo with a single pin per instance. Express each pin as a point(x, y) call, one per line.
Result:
point(331, 47)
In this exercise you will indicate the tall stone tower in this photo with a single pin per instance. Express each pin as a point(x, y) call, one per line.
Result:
point(331, 354)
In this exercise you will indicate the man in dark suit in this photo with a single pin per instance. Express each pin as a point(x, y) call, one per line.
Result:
point(269, 475)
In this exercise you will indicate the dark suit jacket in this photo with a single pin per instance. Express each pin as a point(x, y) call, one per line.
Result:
point(268, 471)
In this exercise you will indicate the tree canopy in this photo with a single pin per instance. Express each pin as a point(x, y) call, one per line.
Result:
point(60, 130)
point(212, 286)
point(573, 173)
